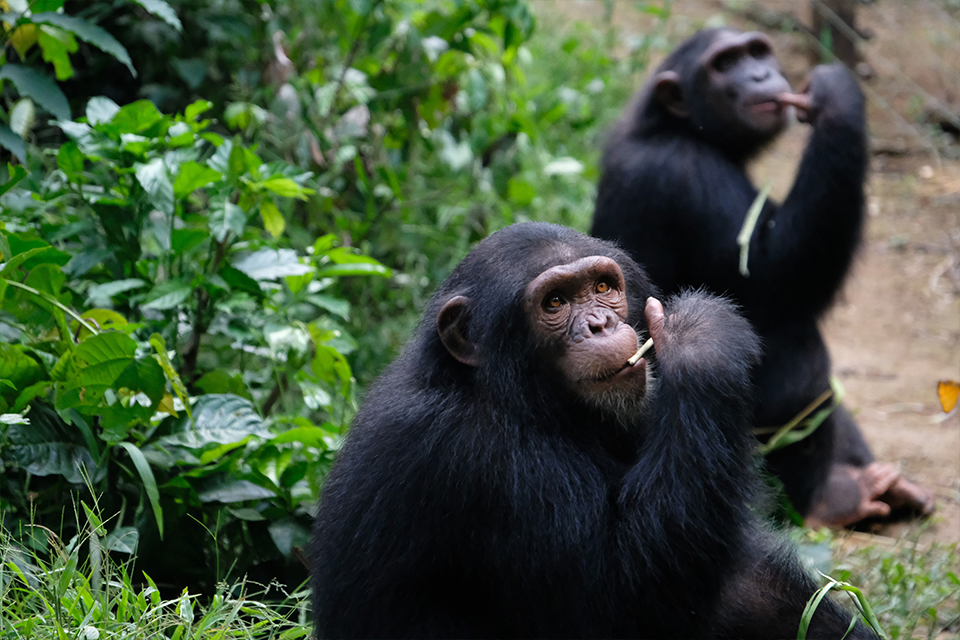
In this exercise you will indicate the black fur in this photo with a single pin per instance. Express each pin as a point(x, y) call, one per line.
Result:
point(486, 501)
point(674, 194)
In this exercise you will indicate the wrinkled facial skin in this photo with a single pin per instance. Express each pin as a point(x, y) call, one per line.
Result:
point(578, 310)
point(743, 80)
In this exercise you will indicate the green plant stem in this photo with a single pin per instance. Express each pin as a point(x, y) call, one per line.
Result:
point(48, 298)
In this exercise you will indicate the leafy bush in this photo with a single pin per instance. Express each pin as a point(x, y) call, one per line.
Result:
point(172, 239)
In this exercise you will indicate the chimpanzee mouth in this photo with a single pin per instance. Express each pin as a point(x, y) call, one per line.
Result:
point(764, 104)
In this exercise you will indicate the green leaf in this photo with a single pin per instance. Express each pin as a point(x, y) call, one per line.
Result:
point(160, 346)
point(193, 71)
point(287, 534)
point(193, 176)
point(287, 188)
point(225, 218)
point(239, 280)
point(123, 540)
point(163, 11)
point(270, 264)
point(17, 173)
point(135, 117)
point(107, 361)
point(358, 269)
point(13, 143)
point(219, 381)
point(167, 295)
point(33, 84)
point(310, 436)
point(155, 180)
point(70, 159)
point(149, 482)
point(101, 109)
point(17, 367)
point(89, 33)
point(49, 446)
point(273, 220)
point(101, 294)
point(218, 419)
point(235, 491)
point(195, 109)
point(56, 46)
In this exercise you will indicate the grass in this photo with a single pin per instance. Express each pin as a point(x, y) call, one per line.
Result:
point(912, 586)
point(83, 590)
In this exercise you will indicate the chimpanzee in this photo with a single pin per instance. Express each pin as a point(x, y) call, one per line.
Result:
point(674, 193)
point(517, 473)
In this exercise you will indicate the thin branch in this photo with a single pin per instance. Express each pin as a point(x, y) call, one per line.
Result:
point(48, 298)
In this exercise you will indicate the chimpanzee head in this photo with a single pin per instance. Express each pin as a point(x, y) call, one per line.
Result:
point(723, 85)
point(542, 303)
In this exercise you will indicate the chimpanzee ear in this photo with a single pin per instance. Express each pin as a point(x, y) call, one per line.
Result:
point(452, 327)
point(669, 93)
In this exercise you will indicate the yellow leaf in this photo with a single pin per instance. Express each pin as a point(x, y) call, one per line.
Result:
point(166, 405)
point(24, 38)
point(948, 391)
point(272, 218)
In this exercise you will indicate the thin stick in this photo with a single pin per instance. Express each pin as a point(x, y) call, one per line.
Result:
point(749, 222)
point(635, 358)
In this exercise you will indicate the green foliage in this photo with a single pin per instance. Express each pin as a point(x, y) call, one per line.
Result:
point(86, 587)
point(166, 341)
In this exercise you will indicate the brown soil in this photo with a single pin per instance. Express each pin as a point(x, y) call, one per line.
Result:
point(895, 330)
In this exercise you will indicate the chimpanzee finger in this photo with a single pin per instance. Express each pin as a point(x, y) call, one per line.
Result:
point(655, 319)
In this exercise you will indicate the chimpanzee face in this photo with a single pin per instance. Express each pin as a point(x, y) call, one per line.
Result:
point(577, 312)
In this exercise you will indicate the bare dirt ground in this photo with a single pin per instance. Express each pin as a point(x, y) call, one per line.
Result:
point(895, 330)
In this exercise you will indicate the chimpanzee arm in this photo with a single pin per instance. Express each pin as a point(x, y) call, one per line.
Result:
point(805, 248)
point(767, 594)
point(682, 505)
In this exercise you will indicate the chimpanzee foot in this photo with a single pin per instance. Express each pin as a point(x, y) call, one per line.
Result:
point(874, 491)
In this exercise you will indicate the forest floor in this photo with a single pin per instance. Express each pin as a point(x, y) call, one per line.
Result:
point(894, 331)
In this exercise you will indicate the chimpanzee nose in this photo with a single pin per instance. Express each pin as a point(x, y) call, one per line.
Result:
point(760, 73)
point(601, 321)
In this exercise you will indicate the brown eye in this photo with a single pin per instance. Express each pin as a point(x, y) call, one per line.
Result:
point(725, 61)
point(602, 287)
point(758, 50)
point(553, 302)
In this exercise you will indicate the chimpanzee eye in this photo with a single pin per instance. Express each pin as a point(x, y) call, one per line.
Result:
point(603, 287)
point(725, 61)
point(758, 50)
point(553, 302)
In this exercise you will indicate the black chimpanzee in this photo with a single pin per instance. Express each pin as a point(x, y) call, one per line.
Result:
point(517, 473)
point(674, 193)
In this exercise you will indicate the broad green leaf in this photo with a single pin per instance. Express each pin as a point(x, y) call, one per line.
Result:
point(13, 143)
point(106, 361)
point(195, 109)
point(310, 436)
point(22, 117)
point(155, 180)
point(163, 11)
point(89, 33)
point(160, 346)
point(17, 367)
point(336, 306)
point(33, 84)
point(101, 319)
point(273, 220)
point(101, 109)
point(149, 482)
point(239, 280)
point(287, 534)
point(235, 491)
point(287, 188)
point(56, 46)
point(225, 218)
point(30, 394)
point(167, 295)
point(217, 419)
point(101, 294)
point(31, 259)
point(135, 117)
point(270, 264)
point(70, 159)
point(182, 240)
point(193, 176)
point(50, 446)
point(219, 381)
point(193, 71)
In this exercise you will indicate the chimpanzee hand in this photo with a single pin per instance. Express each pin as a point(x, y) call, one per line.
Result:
point(835, 96)
point(702, 335)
